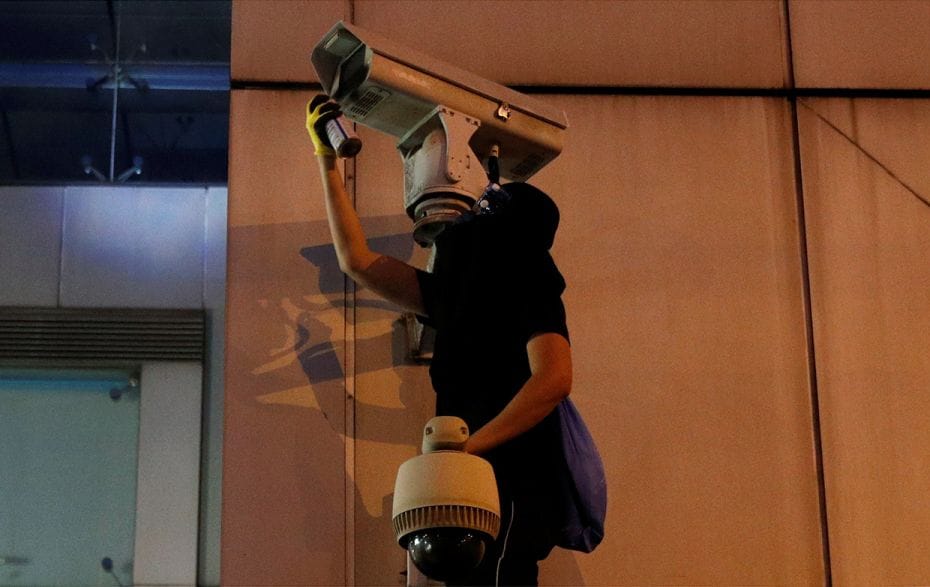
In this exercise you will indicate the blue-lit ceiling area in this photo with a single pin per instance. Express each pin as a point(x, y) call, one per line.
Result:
point(67, 66)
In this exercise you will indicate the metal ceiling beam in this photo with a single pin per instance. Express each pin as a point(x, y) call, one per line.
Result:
point(162, 76)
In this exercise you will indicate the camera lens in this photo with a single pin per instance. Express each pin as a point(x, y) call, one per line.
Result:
point(447, 553)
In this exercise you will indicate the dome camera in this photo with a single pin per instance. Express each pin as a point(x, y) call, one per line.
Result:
point(446, 507)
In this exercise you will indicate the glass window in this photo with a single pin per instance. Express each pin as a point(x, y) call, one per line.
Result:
point(68, 462)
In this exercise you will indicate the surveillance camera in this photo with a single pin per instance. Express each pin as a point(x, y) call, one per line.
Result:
point(446, 507)
point(446, 120)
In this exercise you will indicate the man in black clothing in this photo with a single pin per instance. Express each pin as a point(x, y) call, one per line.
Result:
point(493, 287)
point(502, 360)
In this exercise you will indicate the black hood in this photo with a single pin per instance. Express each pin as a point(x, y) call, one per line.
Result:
point(524, 225)
point(531, 215)
point(506, 252)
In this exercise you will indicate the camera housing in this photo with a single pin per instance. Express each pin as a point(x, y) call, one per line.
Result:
point(446, 120)
point(446, 507)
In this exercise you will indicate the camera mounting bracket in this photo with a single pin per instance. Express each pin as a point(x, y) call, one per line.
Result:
point(443, 176)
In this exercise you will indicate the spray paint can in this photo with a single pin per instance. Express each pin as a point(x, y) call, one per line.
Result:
point(343, 141)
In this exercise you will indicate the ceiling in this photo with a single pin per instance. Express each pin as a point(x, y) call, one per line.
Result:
point(58, 63)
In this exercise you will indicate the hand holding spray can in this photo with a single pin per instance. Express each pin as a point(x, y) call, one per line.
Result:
point(335, 127)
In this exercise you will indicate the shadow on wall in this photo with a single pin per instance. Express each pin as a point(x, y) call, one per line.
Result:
point(392, 401)
point(320, 362)
point(286, 390)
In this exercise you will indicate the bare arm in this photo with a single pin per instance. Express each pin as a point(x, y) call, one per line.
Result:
point(388, 277)
point(550, 382)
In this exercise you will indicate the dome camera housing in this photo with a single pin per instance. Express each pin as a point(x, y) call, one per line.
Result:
point(446, 506)
point(446, 553)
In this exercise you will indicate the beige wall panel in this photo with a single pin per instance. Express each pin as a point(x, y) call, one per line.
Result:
point(284, 466)
point(272, 39)
point(394, 398)
point(679, 242)
point(862, 44)
point(569, 42)
point(275, 162)
point(869, 241)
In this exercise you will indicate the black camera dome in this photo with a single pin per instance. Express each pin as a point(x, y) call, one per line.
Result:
point(447, 553)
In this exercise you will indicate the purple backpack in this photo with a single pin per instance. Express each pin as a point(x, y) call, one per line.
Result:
point(584, 486)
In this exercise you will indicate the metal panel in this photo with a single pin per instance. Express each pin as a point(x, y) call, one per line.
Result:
point(868, 212)
point(679, 243)
point(863, 44)
point(214, 302)
point(283, 161)
point(30, 245)
point(702, 43)
point(284, 455)
point(133, 247)
point(169, 474)
point(687, 321)
point(272, 39)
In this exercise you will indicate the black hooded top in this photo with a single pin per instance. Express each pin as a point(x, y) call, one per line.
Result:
point(493, 286)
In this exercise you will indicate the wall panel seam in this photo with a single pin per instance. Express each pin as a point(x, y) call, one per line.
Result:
point(803, 254)
point(811, 351)
point(730, 92)
point(350, 325)
point(61, 245)
point(205, 235)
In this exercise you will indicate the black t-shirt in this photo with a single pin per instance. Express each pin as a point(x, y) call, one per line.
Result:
point(493, 286)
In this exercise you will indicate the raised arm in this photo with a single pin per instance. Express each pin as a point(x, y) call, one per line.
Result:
point(388, 277)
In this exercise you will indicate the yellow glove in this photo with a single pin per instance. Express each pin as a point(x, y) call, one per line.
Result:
point(319, 111)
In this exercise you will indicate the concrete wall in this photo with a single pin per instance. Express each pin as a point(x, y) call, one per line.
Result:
point(747, 289)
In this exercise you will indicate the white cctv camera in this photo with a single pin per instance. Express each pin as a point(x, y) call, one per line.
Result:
point(447, 121)
point(446, 506)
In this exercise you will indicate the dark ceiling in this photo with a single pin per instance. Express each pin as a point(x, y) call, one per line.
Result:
point(58, 63)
